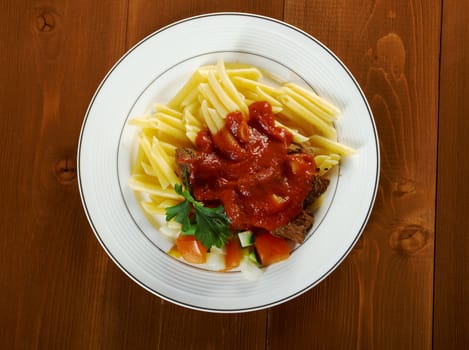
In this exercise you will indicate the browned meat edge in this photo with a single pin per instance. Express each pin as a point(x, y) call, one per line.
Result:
point(183, 157)
point(318, 187)
point(297, 229)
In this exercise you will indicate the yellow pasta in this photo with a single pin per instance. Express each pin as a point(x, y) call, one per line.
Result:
point(243, 83)
point(143, 123)
point(158, 206)
point(169, 133)
point(166, 164)
point(192, 125)
point(167, 110)
point(192, 84)
point(247, 72)
point(308, 118)
point(168, 147)
point(319, 101)
point(297, 136)
point(210, 97)
point(144, 183)
point(148, 169)
point(269, 98)
point(213, 121)
point(155, 167)
point(222, 95)
point(139, 159)
point(202, 103)
point(307, 104)
point(160, 117)
point(231, 89)
point(324, 163)
point(331, 146)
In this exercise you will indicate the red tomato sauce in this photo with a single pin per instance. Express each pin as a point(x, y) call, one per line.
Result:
point(247, 168)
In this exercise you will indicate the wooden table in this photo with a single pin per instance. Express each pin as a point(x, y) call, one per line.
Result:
point(404, 286)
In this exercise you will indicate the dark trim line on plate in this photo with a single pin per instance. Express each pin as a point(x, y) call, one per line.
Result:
point(259, 307)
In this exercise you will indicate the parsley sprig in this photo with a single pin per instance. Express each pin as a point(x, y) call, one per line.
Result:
point(210, 226)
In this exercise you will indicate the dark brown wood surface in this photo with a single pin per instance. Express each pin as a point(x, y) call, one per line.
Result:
point(404, 286)
point(451, 282)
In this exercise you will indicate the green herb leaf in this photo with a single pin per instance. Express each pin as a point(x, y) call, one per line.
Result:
point(210, 226)
point(213, 226)
point(180, 213)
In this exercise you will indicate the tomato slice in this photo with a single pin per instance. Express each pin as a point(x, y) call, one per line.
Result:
point(271, 249)
point(191, 249)
point(233, 254)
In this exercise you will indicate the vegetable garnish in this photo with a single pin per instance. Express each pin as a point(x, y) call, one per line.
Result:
point(210, 226)
point(257, 155)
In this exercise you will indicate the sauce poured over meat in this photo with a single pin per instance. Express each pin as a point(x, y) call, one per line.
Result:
point(247, 167)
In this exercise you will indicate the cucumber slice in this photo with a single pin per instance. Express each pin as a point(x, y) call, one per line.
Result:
point(253, 257)
point(246, 238)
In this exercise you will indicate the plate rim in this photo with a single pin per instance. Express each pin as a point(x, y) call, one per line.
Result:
point(280, 300)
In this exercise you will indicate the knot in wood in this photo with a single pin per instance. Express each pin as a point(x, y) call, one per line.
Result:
point(403, 187)
point(65, 171)
point(409, 239)
point(45, 21)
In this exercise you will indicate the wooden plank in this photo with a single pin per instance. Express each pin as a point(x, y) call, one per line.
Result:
point(381, 296)
point(53, 55)
point(147, 16)
point(184, 328)
point(451, 316)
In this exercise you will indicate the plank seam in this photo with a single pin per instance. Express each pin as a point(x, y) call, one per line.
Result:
point(437, 173)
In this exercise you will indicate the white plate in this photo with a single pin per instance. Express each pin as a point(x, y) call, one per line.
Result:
point(153, 70)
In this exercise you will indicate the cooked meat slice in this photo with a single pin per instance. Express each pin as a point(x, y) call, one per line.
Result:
point(184, 155)
point(296, 229)
point(319, 186)
point(295, 148)
point(299, 148)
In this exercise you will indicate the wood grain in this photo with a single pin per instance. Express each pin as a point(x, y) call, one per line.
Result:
point(451, 317)
point(53, 56)
point(188, 329)
point(404, 286)
point(147, 16)
point(363, 304)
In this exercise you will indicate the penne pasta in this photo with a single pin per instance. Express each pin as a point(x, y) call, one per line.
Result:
point(188, 87)
point(304, 102)
point(165, 163)
point(146, 146)
point(143, 123)
point(306, 118)
point(208, 117)
point(167, 110)
point(297, 136)
point(331, 146)
point(248, 72)
point(314, 98)
point(231, 89)
point(144, 183)
point(221, 93)
point(210, 97)
point(139, 159)
point(243, 83)
point(148, 169)
point(168, 120)
point(269, 98)
point(202, 104)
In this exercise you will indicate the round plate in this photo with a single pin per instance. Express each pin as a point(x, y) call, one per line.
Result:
point(154, 70)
